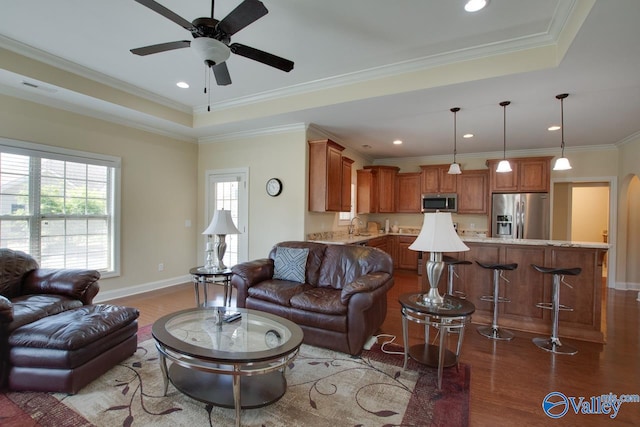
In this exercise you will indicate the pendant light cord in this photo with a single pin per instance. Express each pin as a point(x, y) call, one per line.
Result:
point(562, 124)
point(455, 132)
point(504, 128)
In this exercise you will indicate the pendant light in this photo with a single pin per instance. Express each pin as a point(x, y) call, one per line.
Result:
point(562, 164)
point(454, 169)
point(504, 165)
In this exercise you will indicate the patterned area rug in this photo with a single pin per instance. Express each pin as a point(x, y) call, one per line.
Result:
point(325, 388)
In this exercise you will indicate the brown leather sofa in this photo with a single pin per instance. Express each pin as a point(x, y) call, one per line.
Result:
point(342, 302)
point(52, 337)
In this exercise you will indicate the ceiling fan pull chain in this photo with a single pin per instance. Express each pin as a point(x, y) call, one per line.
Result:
point(209, 91)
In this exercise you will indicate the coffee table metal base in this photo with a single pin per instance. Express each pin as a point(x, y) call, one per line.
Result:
point(255, 391)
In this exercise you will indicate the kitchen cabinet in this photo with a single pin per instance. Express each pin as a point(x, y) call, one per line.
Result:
point(326, 180)
point(382, 243)
point(376, 189)
point(436, 179)
point(473, 191)
point(408, 192)
point(345, 186)
point(406, 258)
point(528, 175)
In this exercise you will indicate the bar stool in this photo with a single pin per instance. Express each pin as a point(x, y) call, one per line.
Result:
point(553, 343)
point(494, 332)
point(451, 263)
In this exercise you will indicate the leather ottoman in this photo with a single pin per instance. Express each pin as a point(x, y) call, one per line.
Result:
point(67, 351)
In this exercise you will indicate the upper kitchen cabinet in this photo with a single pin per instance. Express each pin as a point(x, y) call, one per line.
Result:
point(436, 179)
point(408, 192)
point(528, 175)
point(329, 177)
point(473, 187)
point(345, 200)
point(376, 189)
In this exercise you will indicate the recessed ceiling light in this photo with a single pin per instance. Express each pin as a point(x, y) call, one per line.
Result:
point(183, 85)
point(554, 127)
point(467, 135)
point(475, 5)
point(397, 142)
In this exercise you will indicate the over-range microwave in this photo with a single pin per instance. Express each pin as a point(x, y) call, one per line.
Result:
point(439, 202)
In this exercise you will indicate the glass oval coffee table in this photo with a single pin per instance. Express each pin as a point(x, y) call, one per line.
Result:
point(229, 357)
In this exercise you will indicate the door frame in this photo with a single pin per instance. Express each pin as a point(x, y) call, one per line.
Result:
point(243, 206)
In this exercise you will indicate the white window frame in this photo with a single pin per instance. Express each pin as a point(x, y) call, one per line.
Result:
point(31, 149)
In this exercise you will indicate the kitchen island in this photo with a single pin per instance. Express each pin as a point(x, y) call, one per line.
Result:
point(526, 286)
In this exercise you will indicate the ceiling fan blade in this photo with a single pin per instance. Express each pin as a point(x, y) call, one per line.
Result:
point(221, 73)
point(261, 56)
point(244, 14)
point(162, 47)
point(158, 8)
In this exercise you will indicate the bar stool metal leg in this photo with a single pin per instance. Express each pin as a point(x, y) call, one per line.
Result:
point(553, 344)
point(494, 332)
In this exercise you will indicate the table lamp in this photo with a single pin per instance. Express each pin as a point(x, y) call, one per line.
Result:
point(436, 236)
point(220, 226)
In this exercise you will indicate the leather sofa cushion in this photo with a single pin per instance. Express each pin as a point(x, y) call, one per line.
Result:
point(30, 308)
point(13, 265)
point(277, 291)
point(75, 328)
point(319, 300)
point(342, 264)
point(52, 358)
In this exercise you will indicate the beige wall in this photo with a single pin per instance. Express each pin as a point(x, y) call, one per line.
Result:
point(271, 219)
point(628, 235)
point(158, 188)
point(589, 212)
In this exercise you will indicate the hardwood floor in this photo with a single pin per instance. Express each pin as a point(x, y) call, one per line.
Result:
point(509, 380)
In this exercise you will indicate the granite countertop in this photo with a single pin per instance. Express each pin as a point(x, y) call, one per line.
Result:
point(349, 239)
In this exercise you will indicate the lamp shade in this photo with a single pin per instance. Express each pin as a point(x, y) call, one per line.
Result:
point(503, 166)
point(562, 164)
point(438, 235)
point(454, 169)
point(221, 224)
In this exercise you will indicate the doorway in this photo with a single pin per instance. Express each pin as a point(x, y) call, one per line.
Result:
point(227, 189)
point(585, 211)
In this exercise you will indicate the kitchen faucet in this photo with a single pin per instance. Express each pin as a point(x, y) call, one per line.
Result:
point(355, 230)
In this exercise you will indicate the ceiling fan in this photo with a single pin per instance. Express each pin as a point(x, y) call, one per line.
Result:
point(211, 38)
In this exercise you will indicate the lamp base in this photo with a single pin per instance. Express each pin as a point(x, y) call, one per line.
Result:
point(434, 269)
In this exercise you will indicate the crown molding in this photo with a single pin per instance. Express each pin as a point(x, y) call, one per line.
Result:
point(232, 136)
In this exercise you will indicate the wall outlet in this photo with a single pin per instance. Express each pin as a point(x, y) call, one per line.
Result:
point(161, 267)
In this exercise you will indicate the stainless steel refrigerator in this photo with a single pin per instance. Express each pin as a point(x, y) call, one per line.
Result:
point(520, 216)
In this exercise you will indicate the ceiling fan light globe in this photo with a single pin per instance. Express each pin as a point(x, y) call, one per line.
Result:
point(503, 166)
point(562, 164)
point(209, 49)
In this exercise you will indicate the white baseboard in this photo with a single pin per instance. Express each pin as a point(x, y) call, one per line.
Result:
point(628, 286)
point(107, 295)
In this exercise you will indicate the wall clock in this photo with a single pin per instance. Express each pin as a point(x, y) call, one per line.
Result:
point(274, 187)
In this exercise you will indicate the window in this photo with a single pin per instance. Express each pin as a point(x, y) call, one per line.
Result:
point(344, 218)
point(59, 205)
